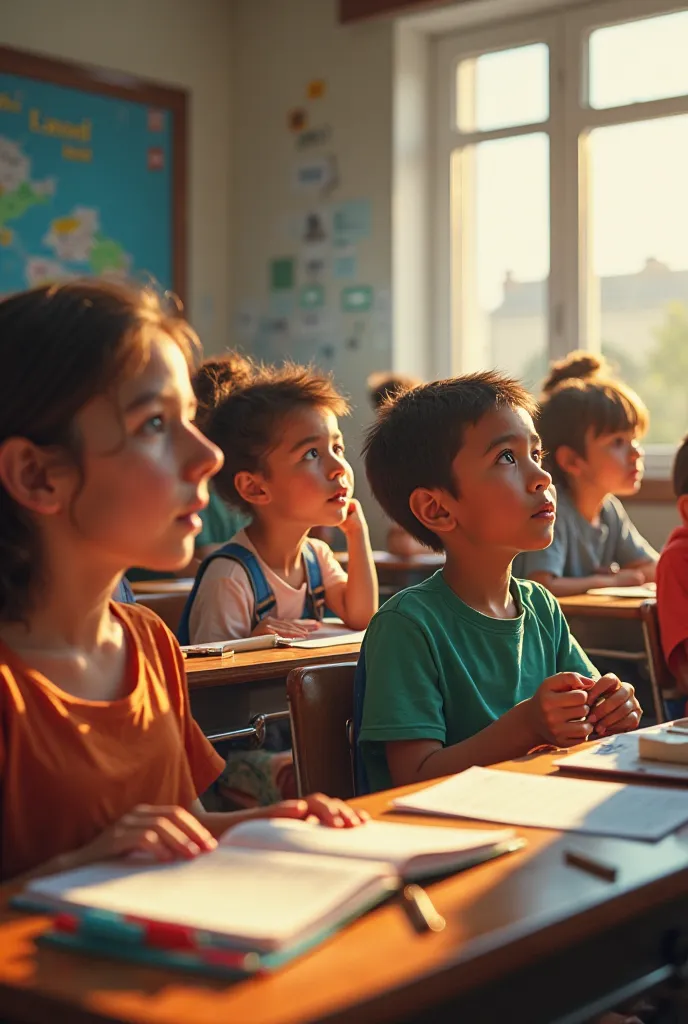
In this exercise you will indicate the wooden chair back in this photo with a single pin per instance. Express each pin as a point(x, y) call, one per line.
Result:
point(321, 707)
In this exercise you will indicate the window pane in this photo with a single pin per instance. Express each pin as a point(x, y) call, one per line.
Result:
point(639, 61)
point(639, 262)
point(503, 89)
point(508, 247)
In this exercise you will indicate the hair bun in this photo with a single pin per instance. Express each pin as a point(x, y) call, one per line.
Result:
point(578, 365)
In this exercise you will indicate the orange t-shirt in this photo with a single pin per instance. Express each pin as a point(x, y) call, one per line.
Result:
point(71, 767)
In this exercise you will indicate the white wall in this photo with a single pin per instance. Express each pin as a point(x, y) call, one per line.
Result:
point(281, 46)
point(177, 43)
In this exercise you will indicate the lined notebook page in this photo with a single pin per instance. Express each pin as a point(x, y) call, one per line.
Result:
point(263, 899)
point(576, 805)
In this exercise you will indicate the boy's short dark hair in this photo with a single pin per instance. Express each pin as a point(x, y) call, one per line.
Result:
point(246, 423)
point(416, 438)
point(386, 386)
point(680, 472)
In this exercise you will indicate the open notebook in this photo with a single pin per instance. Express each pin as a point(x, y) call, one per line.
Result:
point(272, 884)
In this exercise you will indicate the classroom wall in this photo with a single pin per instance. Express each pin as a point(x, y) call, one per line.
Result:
point(177, 43)
point(655, 521)
point(282, 47)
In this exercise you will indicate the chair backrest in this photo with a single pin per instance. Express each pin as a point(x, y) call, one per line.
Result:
point(659, 670)
point(321, 707)
point(168, 606)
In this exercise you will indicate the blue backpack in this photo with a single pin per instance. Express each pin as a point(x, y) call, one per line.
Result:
point(264, 601)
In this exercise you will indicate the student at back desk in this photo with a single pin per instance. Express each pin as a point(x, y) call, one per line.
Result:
point(591, 427)
point(101, 467)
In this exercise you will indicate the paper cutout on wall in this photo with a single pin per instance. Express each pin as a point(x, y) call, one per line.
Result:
point(319, 174)
point(312, 296)
point(352, 221)
point(314, 227)
point(297, 120)
point(357, 299)
point(344, 262)
point(316, 89)
point(282, 274)
point(313, 262)
point(314, 137)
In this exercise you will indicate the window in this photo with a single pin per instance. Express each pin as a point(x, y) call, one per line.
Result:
point(562, 171)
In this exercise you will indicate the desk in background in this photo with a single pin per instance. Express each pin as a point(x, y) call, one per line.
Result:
point(393, 571)
point(528, 938)
point(622, 628)
point(396, 572)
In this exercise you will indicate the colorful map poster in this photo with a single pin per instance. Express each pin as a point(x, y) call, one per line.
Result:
point(86, 186)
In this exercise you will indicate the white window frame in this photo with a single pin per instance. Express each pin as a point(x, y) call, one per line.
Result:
point(568, 125)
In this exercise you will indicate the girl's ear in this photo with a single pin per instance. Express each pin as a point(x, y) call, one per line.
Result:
point(428, 507)
point(33, 476)
point(568, 460)
point(251, 488)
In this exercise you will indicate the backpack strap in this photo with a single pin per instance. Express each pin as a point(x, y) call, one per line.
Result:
point(264, 600)
point(361, 784)
point(314, 607)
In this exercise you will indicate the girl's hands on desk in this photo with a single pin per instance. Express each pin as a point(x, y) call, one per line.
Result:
point(318, 807)
point(614, 706)
point(159, 833)
point(291, 629)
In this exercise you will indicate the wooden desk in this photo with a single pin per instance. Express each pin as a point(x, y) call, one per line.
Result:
point(391, 569)
point(182, 585)
point(595, 606)
point(632, 614)
point(427, 562)
point(528, 938)
point(226, 693)
point(253, 666)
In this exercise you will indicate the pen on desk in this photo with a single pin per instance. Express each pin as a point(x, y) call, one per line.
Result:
point(420, 910)
point(599, 868)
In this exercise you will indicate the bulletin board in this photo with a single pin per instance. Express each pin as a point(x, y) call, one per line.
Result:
point(92, 175)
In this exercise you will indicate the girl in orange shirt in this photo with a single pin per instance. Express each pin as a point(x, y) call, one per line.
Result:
point(101, 467)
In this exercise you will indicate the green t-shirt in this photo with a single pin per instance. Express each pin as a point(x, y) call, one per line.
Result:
point(220, 522)
point(436, 669)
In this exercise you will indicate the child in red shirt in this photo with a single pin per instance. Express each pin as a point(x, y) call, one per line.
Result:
point(672, 589)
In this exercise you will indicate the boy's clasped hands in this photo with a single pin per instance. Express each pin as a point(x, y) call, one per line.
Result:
point(570, 708)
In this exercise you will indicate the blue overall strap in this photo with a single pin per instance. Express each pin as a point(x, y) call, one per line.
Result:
point(264, 600)
point(314, 607)
point(360, 777)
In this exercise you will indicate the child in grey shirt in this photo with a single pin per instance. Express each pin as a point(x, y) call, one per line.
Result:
point(591, 427)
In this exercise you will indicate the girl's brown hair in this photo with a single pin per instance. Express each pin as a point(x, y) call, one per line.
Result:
point(63, 345)
point(215, 378)
point(247, 421)
point(581, 397)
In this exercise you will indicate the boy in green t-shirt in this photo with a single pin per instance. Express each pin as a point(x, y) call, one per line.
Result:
point(471, 666)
